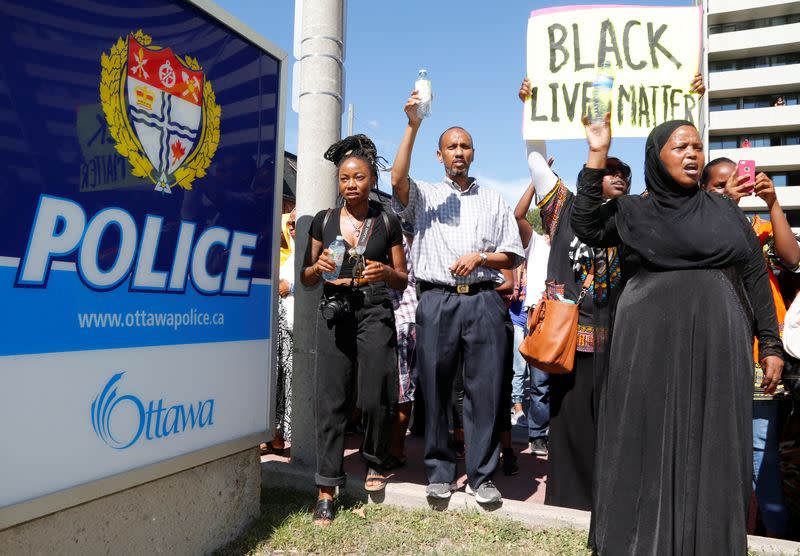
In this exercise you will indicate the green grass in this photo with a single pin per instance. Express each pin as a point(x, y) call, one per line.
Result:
point(285, 527)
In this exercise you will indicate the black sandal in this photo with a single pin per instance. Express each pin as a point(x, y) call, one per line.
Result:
point(323, 512)
point(377, 478)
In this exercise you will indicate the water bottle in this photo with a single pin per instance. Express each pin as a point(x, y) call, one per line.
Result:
point(602, 90)
point(423, 86)
point(337, 252)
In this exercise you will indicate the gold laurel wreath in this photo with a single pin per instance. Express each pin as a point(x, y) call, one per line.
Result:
point(112, 99)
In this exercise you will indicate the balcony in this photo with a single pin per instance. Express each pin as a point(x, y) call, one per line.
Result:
point(757, 81)
point(755, 120)
point(754, 42)
point(788, 197)
point(768, 159)
point(726, 11)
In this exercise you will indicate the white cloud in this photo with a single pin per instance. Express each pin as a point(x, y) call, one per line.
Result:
point(374, 124)
point(511, 190)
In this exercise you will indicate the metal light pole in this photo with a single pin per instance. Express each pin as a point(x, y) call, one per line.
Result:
point(350, 113)
point(321, 74)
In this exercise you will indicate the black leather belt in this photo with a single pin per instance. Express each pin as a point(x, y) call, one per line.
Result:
point(463, 289)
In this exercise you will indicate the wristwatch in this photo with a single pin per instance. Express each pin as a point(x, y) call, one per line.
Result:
point(484, 257)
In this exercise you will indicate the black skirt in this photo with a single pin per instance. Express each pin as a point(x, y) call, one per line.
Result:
point(674, 437)
point(572, 436)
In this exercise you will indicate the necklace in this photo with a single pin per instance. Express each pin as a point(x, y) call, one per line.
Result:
point(353, 222)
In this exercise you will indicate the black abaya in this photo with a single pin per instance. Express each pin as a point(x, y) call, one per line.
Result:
point(673, 464)
point(674, 431)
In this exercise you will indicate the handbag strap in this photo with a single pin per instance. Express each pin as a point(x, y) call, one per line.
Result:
point(584, 290)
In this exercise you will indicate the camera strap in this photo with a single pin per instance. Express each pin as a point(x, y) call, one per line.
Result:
point(361, 240)
point(357, 252)
point(385, 224)
point(366, 233)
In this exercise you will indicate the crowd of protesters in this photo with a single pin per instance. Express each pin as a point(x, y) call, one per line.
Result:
point(670, 419)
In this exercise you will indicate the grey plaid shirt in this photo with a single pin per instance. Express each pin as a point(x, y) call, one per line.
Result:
point(449, 223)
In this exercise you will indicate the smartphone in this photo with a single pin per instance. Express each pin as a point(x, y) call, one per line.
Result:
point(747, 168)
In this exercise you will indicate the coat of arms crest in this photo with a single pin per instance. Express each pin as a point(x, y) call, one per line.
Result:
point(160, 110)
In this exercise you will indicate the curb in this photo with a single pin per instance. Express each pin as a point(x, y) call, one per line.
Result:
point(410, 495)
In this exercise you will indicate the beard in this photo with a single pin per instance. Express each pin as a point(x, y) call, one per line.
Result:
point(453, 173)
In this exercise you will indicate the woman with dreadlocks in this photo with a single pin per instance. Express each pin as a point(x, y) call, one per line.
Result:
point(355, 332)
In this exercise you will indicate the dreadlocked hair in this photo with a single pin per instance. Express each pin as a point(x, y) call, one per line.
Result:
point(356, 146)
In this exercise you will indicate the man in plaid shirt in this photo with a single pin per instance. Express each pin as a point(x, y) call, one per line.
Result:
point(464, 234)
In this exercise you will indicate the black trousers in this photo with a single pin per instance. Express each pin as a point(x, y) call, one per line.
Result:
point(454, 328)
point(358, 347)
point(503, 417)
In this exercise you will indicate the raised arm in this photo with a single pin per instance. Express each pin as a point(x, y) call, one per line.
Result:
point(521, 213)
point(543, 181)
point(542, 177)
point(402, 161)
point(593, 223)
point(786, 247)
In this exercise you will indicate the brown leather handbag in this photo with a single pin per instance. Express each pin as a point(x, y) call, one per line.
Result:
point(553, 333)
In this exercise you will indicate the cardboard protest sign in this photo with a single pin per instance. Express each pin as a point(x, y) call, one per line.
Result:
point(654, 53)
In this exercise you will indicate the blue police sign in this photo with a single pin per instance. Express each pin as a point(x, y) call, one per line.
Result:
point(141, 148)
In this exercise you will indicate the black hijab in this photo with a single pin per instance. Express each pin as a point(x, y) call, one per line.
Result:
point(677, 227)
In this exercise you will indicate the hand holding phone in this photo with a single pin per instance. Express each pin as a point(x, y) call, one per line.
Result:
point(747, 168)
point(765, 190)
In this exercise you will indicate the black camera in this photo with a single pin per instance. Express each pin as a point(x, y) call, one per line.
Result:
point(335, 307)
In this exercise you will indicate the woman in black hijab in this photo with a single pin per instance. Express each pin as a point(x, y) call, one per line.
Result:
point(673, 467)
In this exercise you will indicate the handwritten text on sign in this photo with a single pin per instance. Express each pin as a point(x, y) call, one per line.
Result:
point(653, 51)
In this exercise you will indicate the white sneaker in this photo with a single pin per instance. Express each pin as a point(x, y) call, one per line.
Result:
point(487, 493)
point(441, 491)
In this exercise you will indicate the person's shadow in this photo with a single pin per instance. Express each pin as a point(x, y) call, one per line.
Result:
point(447, 213)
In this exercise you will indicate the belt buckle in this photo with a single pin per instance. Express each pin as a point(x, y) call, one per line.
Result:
point(462, 288)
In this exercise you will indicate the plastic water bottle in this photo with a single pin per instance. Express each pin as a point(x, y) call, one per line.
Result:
point(337, 252)
point(423, 86)
point(602, 90)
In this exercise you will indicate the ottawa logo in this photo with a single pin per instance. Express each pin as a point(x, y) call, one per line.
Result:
point(121, 421)
point(161, 112)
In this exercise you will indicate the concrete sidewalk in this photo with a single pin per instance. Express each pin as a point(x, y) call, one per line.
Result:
point(528, 486)
point(523, 494)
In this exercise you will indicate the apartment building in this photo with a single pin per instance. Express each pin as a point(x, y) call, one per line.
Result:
point(753, 49)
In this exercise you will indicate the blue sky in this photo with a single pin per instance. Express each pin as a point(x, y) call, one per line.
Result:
point(474, 51)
